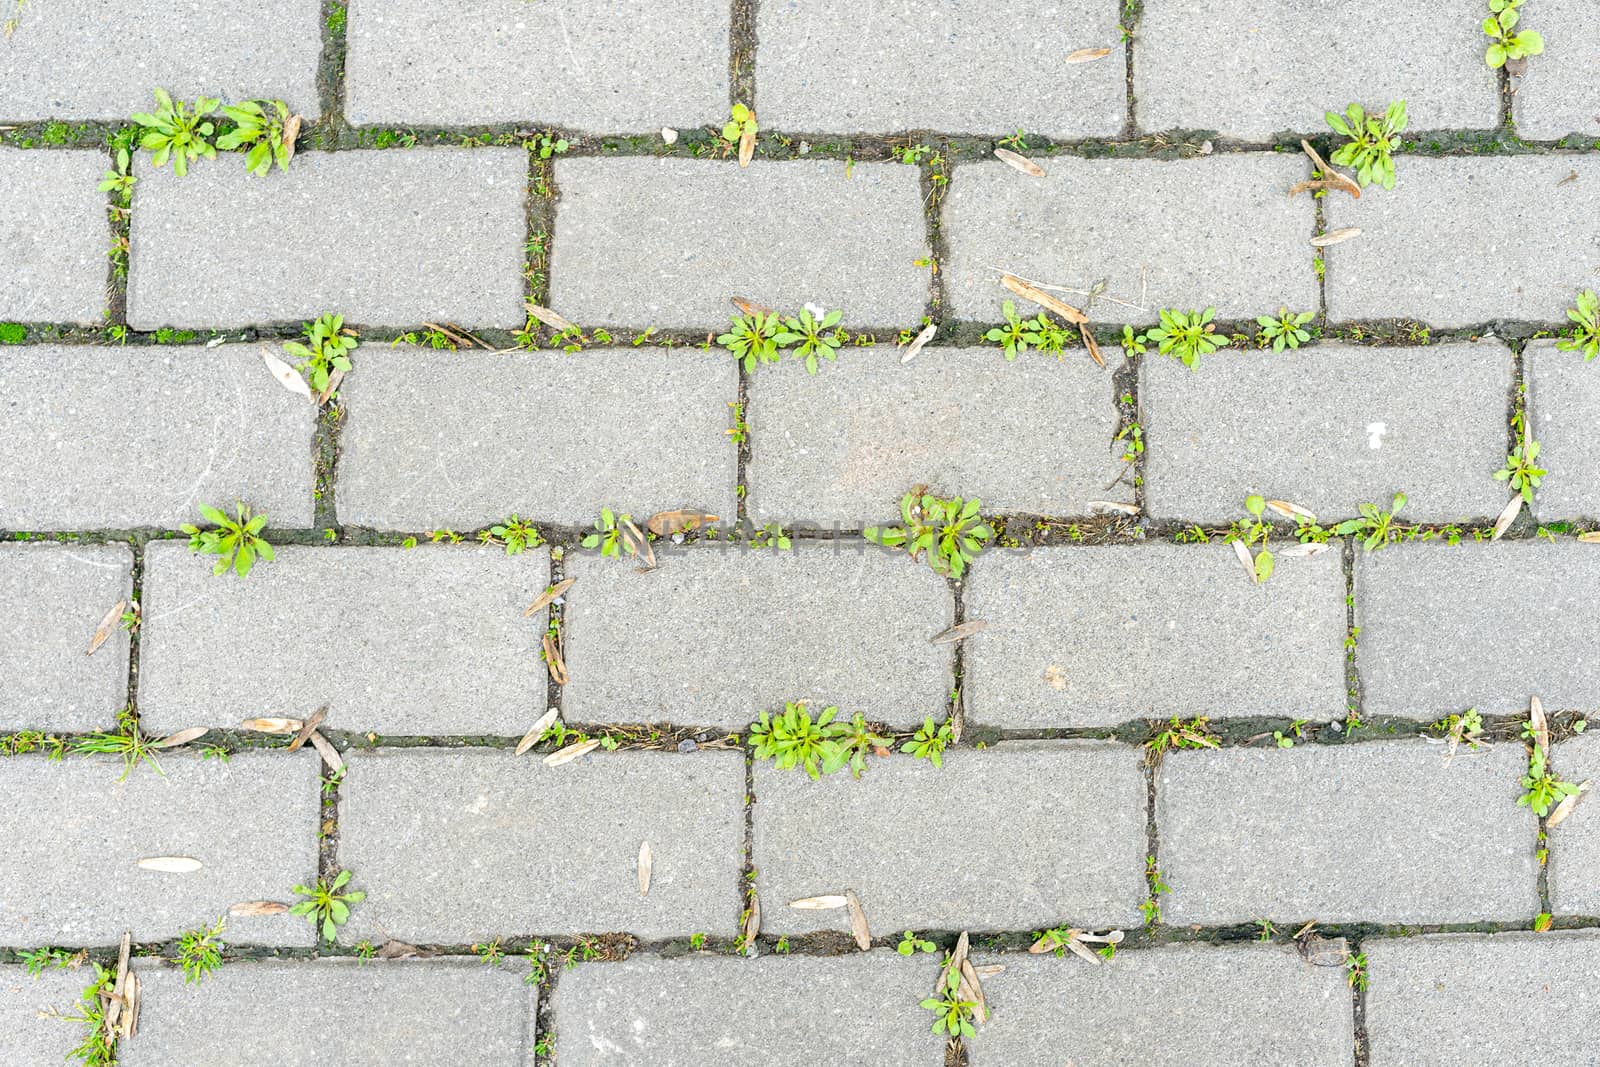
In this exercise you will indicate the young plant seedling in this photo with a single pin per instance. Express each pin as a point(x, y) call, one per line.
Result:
point(607, 535)
point(859, 741)
point(1585, 336)
point(99, 1045)
point(741, 129)
point(1375, 528)
point(1187, 335)
point(129, 742)
point(910, 944)
point(236, 542)
point(266, 128)
point(1257, 530)
point(1017, 333)
point(326, 909)
point(953, 1016)
point(1355, 966)
point(200, 952)
point(1542, 789)
point(327, 349)
point(753, 339)
point(814, 337)
point(1520, 471)
point(930, 740)
point(1372, 141)
point(1287, 330)
point(517, 534)
point(118, 180)
point(951, 532)
point(793, 740)
point(1506, 44)
point(177, 132)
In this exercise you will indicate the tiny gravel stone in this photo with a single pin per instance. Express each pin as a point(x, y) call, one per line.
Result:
point(1078, 859)
point(1560, 95)
point(409, 462)
point(52, 598)
point(1564, 404)
point(1176, 1006)
point(461, 846)
point(54, 234)
point(1252, 833)
point(1575, 843)
point(1448, 999)
point(29, 1034)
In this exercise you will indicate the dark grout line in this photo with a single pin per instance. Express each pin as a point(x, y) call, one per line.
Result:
point(330, 74)
point(744, 450)
point(1355, 694)
point(1358, 1011)
point(1128, 12)
point(135, 638)
point(742, 46)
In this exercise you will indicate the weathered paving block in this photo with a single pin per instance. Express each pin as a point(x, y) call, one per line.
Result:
point(1098, 636)
point(589, 67)
point(1328, 427)
point(1395, 269)
point(1078, 860)
point(1178, 1006)
point(1250, 833)
point(54, 236)
point(87, 59)
point(667, 242)
point(109, 438)
point(793, 1011)
point(1117, 220)
point(1266, 82)
point(896, 65)
point(1564, 402)
point(28, 1033)
point(844, 445)
point(423, 641)
point(75, 835)
point(1482, 998)
point(638, 430)
point(1575, 842)
point(389, 238)
point(52, 597)
point(458, 846)
point(254, 1014)
point(1435, 636)
point(719, 633)
point(1560, 95)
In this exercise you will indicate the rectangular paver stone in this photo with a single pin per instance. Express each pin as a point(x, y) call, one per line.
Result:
point(1329, 427)
point(1098, 636)
point(1478, 625)
point(1575, 842)
point(629, 66)
point(1077, 860)
point(1286, 63)
point(844, 445)
point(1424, 252)
point(1178, 1006)
point(390, 238)
point(90, 59)
point(667, 242)
point(1560, 94)
point(1564, 402)
point(1243, 239)
point(719, 633)
point(792, 1011)
point(457, 846)
point(28, 1033)
point(54, 235)
point(461, 439)
point(423, 641)
point(75, 834)
point(1449, 1000)
point(254, 1014)
point(52, 597)
point(963, 67)
point(110, 438)
point(1377, 831)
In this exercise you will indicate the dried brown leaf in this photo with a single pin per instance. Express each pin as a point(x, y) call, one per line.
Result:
point(644, 868)
point(272, 726)
point(1333, 237)
point(1563, 809)
point(548, 597)
point(548, 317)
point(1539, 724)
point(957, 956)
point(1290, 511)
point(1021, 162)
point(399, 950)
point(858, 921)
point(959, 633)
point(1091, 344)
point(571, 752)
point(980, 1008)
point(182, 737)
point(827, 902)
point(114, 1007)
point(667, 523)
point(107, 627)
point(638, 545)
point(285, 375)
point(1572, 176)
point(1043, 299)
point(305, 731)
point(171, 864)
point(1302, 551)
point(130, 1014)
point(1088, 55)
point(1244, 557)
point(991, 970)
point(291, 132)
point(257, 907)
point(1590, 538)
point(1113, 505)
point(335, 380)
point(325, 749)
point(749, 307)
point(1509, 515)
point(1077, 948)
point(924, 335)
point(747, 142)
point(1333, 178)
point(543, 723)
point(752, 921)
point(553, 660)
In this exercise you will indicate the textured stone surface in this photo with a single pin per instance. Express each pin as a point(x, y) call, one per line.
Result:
point(1478, 625)
point(844, 446)
point(1287, 63)
point(1252, 833)
point(1540, 250)
point(464, 439)
point(1328, 427)
point(464, 846)
point(54, 235)
point(1098, 636)
point(628, 66)
point(108, 438)
point(794, 1011)
point(1482, 999)
point(719, 633)
point(389, 238)
point(1564, 402)
point(1000, 66)
point(52, 597)
point(667, 242)
point(75, 835)
point(1560, 94)
point(423, 641)
point(1078, 860)
point(1178, 1006)
point(1575, 843)
point(28, 1035)
point(1242, 240)
point(89, 59)
point(255, 1014)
